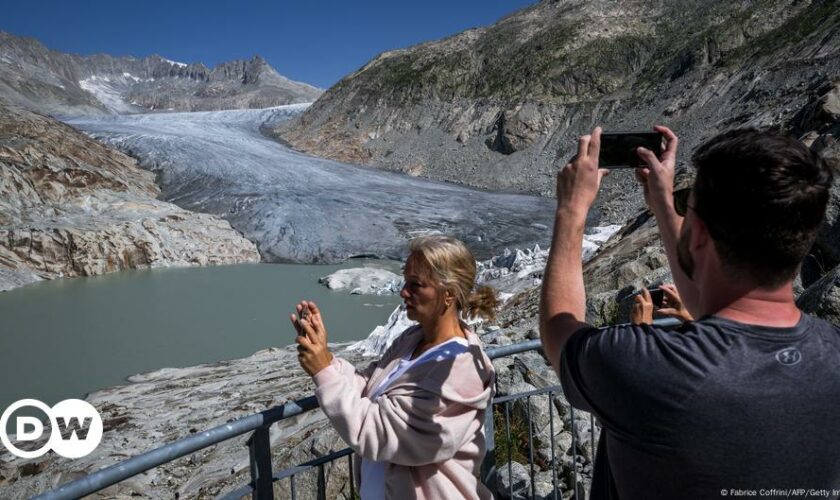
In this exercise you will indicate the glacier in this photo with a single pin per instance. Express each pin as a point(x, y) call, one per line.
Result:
point(299, 208)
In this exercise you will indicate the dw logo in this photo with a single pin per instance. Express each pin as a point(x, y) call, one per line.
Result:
point(75, 428)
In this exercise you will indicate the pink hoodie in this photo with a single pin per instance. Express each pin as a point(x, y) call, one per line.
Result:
point(428, 424)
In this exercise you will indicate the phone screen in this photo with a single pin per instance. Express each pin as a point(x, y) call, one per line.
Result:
point(657, 296)
point(618, 150)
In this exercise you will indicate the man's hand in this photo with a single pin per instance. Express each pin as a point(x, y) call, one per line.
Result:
point(642, 312)
point(657, 179)
point(580, 179)
point(672, 304)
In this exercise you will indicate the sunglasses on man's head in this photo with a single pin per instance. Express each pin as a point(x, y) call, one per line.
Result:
point(681, 201)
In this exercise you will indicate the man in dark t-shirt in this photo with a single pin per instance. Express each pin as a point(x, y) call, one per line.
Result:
point(742, 402)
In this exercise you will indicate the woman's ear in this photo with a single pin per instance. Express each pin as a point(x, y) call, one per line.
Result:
point(448, 297)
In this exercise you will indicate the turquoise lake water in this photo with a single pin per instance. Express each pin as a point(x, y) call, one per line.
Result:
point(64, 338)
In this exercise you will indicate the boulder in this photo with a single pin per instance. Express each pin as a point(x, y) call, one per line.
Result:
point(514, 484)
point(515, 130)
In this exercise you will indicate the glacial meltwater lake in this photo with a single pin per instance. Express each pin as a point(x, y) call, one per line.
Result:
point(64, 338)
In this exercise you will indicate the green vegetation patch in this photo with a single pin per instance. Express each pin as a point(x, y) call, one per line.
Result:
point(517, 446)
point(817, 18)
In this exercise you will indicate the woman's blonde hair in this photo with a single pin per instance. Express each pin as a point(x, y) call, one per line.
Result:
point(452, 266)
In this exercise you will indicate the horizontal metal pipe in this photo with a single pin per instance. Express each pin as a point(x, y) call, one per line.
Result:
point(312, 464)
point(509, 350)
point(520, 395)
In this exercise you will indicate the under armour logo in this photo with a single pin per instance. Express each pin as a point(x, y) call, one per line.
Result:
point(789, 356)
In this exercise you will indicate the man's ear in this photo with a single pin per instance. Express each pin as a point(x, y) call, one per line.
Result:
point(700, 236)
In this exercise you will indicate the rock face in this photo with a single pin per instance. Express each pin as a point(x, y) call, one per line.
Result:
point(65, 84)
point(823, 297)
point(493, 107)
point(70, 206)
point(818, 124)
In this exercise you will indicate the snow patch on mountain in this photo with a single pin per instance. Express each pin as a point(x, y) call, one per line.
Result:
point(176, 63)
point(106, 92)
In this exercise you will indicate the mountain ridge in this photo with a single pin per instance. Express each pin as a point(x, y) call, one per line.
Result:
point(58, 83)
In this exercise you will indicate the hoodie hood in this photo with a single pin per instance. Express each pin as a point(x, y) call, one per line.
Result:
point(466, 378)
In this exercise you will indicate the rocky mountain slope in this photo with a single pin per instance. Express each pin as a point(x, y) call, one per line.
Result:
point(493, 107)
point(56, 83)
point(70, 206)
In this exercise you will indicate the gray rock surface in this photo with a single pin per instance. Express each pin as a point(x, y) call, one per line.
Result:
point(823, 297)
point(56, 83)
point(70, 206)
point(827, 246)
point(517, 480)
point(494, 107)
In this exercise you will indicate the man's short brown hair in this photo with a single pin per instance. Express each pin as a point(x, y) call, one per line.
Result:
point(763, 196)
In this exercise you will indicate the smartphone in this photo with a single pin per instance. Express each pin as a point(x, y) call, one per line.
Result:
point(618, 149)
point(657, 296)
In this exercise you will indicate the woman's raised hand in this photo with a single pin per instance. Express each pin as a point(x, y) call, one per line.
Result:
point(313, 353)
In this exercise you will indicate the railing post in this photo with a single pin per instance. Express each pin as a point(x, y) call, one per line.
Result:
point(488, 466)
point(259, 446)
point(322, 483)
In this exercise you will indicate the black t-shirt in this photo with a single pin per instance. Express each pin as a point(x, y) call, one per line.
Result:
point(710, 410)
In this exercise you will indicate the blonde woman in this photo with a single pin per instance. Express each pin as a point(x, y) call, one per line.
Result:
point(416, 416)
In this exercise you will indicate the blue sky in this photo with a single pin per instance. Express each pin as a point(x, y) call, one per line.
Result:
point(317, 42)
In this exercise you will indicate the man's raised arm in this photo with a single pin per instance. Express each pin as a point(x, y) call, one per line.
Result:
point(563, 299)
point(658, 183)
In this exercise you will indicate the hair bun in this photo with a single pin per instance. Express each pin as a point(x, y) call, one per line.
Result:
point(483, 303)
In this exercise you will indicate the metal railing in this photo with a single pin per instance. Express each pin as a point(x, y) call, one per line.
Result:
point(262, 482)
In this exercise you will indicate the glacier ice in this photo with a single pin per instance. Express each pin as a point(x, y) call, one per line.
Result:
point(298, 208)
